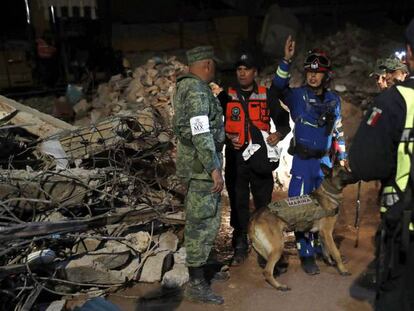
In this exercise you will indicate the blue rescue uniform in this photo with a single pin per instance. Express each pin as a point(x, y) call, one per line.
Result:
point(317, 121)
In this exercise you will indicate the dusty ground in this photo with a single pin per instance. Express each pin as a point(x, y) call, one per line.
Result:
point(247, 290)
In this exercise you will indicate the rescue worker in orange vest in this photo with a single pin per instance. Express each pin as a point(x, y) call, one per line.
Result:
point(48, 70)
point(251, 153)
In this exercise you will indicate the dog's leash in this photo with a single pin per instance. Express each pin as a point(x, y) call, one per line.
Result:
point(357, 214)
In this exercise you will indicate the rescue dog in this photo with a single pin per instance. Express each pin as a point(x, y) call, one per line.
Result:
point(266, 228)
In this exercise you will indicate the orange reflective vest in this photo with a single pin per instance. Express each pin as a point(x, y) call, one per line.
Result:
point(258, 113)
point(45, 50)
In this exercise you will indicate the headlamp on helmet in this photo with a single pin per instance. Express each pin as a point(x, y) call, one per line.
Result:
point(317, 61)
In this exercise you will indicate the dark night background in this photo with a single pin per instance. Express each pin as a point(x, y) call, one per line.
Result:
point(143, 28)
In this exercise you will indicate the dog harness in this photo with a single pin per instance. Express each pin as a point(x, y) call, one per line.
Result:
point(300, 212)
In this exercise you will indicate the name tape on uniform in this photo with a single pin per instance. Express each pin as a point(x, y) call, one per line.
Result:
point(300, 200)
point(199, 125)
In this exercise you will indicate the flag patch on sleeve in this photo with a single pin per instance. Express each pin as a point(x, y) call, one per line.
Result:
point(374, 117)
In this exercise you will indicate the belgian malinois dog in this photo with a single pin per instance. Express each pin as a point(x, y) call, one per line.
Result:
point(266, 228)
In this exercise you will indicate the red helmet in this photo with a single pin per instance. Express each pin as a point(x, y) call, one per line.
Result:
point(318, 61)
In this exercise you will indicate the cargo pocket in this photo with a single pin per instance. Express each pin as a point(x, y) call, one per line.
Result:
point(254, 112)
point(200, 202)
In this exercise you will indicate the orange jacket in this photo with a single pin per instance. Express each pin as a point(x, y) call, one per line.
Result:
point(258, 113)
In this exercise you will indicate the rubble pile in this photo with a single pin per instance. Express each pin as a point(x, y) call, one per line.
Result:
point(354, 52)
point(90, 209)
point(151, 86)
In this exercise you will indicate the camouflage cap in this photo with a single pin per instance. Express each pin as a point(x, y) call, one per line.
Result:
point(200, 53)
point(378, 69)
point(392, 64)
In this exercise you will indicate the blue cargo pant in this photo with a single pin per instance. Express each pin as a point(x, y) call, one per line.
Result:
point(306, 177)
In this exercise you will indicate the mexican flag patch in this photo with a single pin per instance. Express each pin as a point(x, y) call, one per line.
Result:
point(374, 117)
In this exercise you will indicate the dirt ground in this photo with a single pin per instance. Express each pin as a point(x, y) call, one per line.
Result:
point(247, 290)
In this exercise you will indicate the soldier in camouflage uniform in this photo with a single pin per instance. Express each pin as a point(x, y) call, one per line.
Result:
point(198, 124)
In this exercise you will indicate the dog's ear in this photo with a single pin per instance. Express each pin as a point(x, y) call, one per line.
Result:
point(327, 171)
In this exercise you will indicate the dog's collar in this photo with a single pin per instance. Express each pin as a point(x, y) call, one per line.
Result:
point(328, 187)
point(331, 193)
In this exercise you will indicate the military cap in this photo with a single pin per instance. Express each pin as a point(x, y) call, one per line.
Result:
point(378, 70)
point(392, 64)
point(200, 53)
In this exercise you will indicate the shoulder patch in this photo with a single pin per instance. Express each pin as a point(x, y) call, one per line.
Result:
point(374, 117)
point(199, 125)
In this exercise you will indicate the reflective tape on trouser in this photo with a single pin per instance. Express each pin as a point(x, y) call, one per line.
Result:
point(383, 209)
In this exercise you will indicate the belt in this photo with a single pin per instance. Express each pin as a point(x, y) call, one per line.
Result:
point(306, 153)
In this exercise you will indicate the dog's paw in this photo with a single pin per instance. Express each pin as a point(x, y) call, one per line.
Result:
point(284, 288)
point(345, 273)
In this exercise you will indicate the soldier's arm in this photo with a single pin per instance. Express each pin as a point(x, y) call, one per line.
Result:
point(201, 132)
point(372, 154)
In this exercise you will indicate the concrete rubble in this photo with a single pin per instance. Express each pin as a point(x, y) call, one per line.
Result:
point(90, 206)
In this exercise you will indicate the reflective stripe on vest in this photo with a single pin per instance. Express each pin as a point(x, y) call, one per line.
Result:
point(236, 121)
point(405, 147)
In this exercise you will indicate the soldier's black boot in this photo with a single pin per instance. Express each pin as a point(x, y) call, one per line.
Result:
point(241, 249)
point(199, 290)
point(309, 265)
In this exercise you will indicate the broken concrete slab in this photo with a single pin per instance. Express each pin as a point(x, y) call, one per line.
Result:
point(86, 245)
point(130, 272)
point(139, 240)
point(112, 256)
point(155, 267)
point(168, 241)
point(57, 305)
point(85, 270)
point(176, 277)
point(180, 256)
point(32, 120)
point(81, 108)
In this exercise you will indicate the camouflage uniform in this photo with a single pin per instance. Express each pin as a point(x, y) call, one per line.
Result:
point(198, 124)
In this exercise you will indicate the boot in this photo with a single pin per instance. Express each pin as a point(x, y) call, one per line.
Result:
point(309, 265)
point(198, 290)
point(241, 248)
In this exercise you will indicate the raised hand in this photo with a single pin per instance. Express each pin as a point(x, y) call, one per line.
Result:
point(289, 48)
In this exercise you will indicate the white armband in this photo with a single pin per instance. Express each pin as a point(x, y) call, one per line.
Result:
point(199, 125)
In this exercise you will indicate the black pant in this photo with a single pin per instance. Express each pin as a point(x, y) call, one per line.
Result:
point(396, 291)
point(240, 180)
